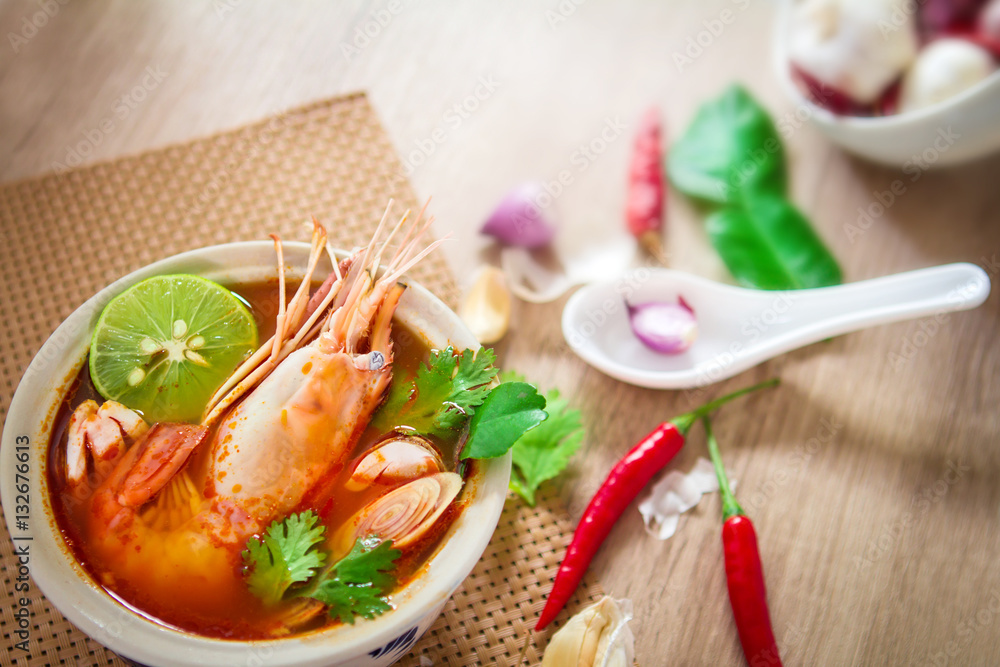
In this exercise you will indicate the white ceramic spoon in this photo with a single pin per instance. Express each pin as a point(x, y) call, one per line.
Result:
point(739, 328)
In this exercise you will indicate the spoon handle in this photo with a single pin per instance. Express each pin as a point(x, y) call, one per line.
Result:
point(830, 311)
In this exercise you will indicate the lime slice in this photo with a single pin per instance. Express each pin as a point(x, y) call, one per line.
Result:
point(165, 345)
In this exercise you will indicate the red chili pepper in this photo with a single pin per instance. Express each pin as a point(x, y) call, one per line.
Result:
point(744, 572)
point(622, 485)
point(646, 190)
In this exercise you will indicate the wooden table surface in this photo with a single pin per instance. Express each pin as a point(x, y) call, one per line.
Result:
point(871, 473)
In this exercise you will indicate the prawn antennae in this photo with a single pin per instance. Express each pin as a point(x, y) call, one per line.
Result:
point(280, 322)
point(378, 232)
point(349, 324)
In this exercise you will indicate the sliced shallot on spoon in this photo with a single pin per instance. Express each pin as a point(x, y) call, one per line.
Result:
point(405, 514)
point(740, 328)
point(662, 326)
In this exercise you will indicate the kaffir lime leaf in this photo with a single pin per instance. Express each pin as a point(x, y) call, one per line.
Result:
point(164, 346)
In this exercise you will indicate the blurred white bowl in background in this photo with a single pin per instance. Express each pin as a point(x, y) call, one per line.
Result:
point(959, 129)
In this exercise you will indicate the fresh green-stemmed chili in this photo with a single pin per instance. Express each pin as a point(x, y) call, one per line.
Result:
point(744, 572)
point(626, 479)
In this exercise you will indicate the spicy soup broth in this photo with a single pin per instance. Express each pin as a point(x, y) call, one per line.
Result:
point(220, 605)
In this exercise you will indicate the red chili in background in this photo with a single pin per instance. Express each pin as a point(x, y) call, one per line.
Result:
point(744, 572)
point(622, 485)
point(646, 189)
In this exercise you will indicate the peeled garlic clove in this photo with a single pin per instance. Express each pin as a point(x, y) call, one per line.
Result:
point(943, 69)
point(597, 636)
point(394, 460)
point(486, 308)
point(403, 515)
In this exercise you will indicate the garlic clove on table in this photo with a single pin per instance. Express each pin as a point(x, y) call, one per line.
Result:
point(597, 636)
point(486, 307)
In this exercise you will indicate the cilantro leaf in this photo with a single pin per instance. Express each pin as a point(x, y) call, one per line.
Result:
point(347, 601)
point(469, 387)
point(356, 584)
point(284, 556)
point(443, 395)
point(544, 451)
point(369, 562)
point(508, 412)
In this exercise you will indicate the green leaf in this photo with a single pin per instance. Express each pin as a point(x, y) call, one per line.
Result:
point(369, 562)
point(544, 451)
point(731, 156)
point(520, 487)
point(768, 244)
point(730, 146)
point(508, 412)
point(443, 395)
point(348, 601)
point(356, 584)
point(285, 556)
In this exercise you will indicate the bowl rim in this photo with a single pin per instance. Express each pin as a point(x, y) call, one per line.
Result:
point(781, 63)
point(71, 590)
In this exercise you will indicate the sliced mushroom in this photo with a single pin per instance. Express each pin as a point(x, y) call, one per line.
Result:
point(301, 613)
point(395, 460)
point(405, 514)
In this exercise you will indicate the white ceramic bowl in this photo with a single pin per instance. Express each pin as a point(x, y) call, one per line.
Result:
point(959, 129)
point(377, 642)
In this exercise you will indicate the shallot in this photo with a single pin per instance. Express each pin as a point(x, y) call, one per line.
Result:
point(518, 219)
point(669, 328)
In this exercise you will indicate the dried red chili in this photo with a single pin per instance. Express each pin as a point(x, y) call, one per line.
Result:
point(646, 189)
point(622, 485)
point(744, 572)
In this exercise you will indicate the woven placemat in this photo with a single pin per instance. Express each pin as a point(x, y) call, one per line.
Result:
point(66, 235)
